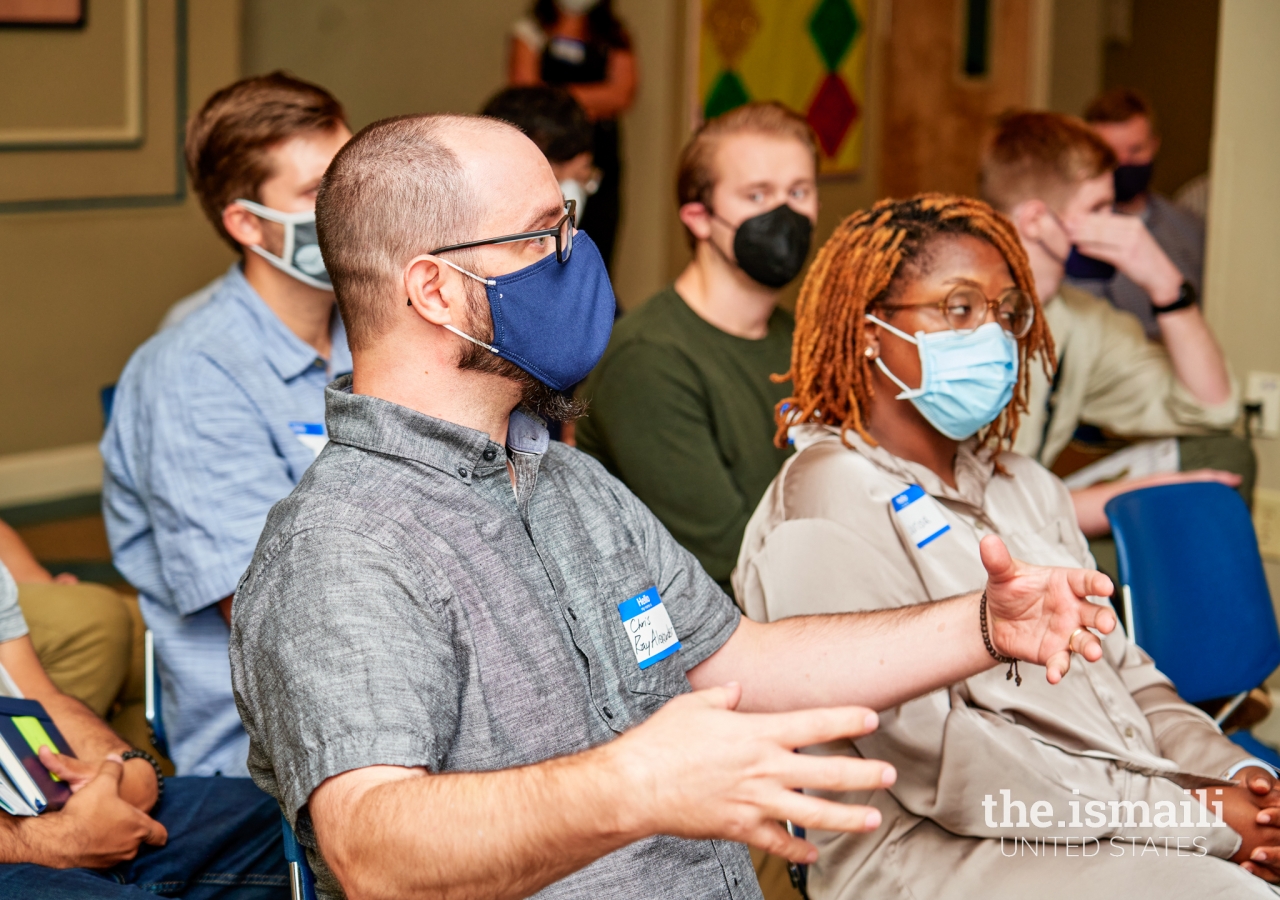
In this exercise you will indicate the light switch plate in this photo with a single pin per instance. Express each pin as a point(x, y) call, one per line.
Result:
point(1266, 522)
point(1264, 388)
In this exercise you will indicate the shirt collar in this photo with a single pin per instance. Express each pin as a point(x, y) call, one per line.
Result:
point(974, 468)
point(287, 353)
point(380, 426)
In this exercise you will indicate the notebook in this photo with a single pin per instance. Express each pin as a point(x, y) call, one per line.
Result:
point(27, 788)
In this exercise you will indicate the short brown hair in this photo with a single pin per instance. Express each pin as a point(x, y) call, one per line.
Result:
point(696, 176)
point(396, 190)
point(1043, 156)
point(1120, 105)
point(229, 139)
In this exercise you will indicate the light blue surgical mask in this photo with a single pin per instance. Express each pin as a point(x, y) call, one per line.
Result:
point(966, 377)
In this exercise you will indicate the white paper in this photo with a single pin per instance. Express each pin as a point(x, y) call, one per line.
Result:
point(1135, 461)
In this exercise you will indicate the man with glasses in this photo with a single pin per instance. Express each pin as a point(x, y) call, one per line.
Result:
point(465, 654)
point(1052, 176)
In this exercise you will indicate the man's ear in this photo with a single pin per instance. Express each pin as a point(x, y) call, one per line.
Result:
point(1028, 217)
point(697, 218)
point(244, 227)
point(435, 292)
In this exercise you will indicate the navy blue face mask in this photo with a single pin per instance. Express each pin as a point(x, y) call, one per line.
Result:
point(551, 319)
point(1077, 265)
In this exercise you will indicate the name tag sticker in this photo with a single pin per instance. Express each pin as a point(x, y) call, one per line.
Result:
point(920, 515)
point(648, 627)
point(311, 434)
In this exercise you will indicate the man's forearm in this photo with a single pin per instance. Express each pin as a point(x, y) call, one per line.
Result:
point(877, 659)
point(92, 739)
point(1197, 359)
point(483, 835)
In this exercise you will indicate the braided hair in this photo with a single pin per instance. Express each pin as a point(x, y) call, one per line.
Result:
point(857, 269)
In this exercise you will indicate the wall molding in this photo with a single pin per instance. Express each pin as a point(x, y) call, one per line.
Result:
point(125, 135)
point(177, 195)
point(45, 476)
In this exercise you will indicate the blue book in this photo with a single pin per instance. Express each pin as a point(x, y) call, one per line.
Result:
point(25, 727)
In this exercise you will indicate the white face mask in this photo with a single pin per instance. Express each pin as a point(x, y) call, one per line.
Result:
point(301, 258)
point(575, 190)
point(576, 7)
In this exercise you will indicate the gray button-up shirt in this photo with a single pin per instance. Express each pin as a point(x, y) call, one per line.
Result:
point(406, 606)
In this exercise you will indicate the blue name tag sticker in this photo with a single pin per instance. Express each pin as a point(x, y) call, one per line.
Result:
point(310, 434)
point(649, 629)
point(920, 516)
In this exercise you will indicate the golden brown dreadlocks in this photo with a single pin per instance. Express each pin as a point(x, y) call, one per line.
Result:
point(854, 271)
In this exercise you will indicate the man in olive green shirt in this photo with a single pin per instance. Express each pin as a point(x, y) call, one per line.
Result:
point(681, 405)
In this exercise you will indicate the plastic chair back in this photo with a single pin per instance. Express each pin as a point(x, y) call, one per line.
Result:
point(1194, 591)
point(301, 882)
point(152, 702)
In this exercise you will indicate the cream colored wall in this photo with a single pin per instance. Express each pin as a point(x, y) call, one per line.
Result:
point(79, 291)
point(1242, 281)
point(403, 56)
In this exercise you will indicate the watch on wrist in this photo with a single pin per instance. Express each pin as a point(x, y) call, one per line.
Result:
point(1187, 296)
point(144, 755)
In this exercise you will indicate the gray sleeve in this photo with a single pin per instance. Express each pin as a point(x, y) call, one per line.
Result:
point(341, 660)
point(703, 614)
point(12, 625)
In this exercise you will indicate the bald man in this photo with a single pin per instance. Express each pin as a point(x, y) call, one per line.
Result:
point(470, 662)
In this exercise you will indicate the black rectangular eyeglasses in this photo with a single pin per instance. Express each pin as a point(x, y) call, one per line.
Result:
point(563, 233)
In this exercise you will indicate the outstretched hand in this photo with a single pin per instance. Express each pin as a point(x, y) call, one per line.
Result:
point(707, 771)
point(1041, 614)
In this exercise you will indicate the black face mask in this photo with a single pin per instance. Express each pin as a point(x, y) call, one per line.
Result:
point(1132, 180)
point(772, 246)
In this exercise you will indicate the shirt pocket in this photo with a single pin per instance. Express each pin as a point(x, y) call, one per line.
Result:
point(621, 576)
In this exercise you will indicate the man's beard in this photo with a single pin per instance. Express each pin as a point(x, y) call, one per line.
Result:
point(546, 401)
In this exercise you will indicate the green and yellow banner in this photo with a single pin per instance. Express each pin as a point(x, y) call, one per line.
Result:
point(808, 54)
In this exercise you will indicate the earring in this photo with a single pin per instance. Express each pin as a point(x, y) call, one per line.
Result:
point(869, 353)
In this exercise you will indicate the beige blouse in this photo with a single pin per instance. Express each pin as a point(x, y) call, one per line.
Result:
point(826, 539)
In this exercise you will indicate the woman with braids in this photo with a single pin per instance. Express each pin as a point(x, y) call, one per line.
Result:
point(916, 329)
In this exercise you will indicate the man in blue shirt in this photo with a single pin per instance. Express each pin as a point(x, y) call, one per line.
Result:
point(217, 418)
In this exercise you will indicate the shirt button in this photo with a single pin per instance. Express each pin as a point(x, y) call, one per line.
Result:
point(1128, 732)
point(490, 455)
point(608, 713)
point(462, 471)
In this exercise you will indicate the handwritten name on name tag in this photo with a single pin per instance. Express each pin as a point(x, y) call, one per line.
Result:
point(920, 515)
point(648, 627)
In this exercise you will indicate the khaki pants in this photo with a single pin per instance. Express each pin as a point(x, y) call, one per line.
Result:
point(89, 640)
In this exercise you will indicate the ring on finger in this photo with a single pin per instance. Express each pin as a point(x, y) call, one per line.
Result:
point(1071, 641)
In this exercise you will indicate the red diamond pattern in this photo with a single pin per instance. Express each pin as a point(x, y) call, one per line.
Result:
point(832, 113)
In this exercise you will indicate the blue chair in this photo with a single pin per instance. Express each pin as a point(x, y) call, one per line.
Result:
point(301, 882)
point(151, 705)
point(1194, 593)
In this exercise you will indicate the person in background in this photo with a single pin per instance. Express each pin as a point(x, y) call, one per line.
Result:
point(582, 46)
point(216, 419)
point(917, 329)
point(82, 633)
point(1126, 121)
point(681, 405)
point(1053, 177)
point(206, 838)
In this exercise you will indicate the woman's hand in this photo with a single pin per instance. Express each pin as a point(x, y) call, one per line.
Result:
point(1041, 614)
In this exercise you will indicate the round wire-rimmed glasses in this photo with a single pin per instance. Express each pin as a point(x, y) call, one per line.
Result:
point(966, 308)
point(563, 233)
